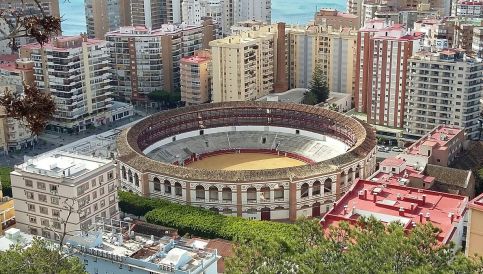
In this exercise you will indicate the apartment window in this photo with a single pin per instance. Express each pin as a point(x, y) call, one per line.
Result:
point(81, 189)
point(55, 212)
point(29, 183)
point(93, 182)
point(30, 195)
point(56, 225)
point(110, 175)
point(94, 195)
point(31, 207)
point(101, 191)
point(32, 220)
point(44, 222)
point(46, 234)
point(101, 179)
point(96, 207)
point(41, 185)
point(103, 214)
point(43, 210)
point(33, 231)
point(43, 198)
point(53, 188)
point(112, 198)
point(110, 188)
point(54, 200)
point(103, 203)
point(112, 210)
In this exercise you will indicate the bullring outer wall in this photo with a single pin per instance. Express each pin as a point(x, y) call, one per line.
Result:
point(286, 193)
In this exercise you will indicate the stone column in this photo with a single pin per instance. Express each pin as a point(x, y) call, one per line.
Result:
point(239, 207)
point(292, 201)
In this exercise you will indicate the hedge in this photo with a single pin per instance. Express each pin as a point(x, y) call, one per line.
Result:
point(202, 222)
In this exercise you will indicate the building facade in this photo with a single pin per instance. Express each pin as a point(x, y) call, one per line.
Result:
point(259, 10)
point(245, 65)
point(381, 71)
point(196, 77)
point(49, 187)
point(468, 9)
point(474, 235)
point(75, 70)
point(14, 73)
point(443, 88)
point(149, 60)
point(103, 16)
point(336, 19)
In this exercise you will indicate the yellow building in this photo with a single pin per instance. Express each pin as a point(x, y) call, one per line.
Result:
point(331, 49)
point(474, 235)
point(7, 212)
point(244, 65)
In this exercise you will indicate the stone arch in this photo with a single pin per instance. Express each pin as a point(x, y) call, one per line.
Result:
point(304, 190)
point(136, 179)
point(252, 194)
point(226, 194)
point(129, 176)
point(328, 185)
point(350, 174)
point(178, 189)
point(124, 173)
point(279, 193)
point(342, 178)
point(200, 192)
point(265, 193)
point(358, 171)
point(316, 188)
point(167, 187)
point(213, 193)
point(156, 184)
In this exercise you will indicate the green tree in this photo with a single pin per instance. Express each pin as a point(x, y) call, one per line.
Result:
point(310, 98)
point(5, 180)
point(318, 85)
point(169, 99)
point(41, 257)
point(368, 247)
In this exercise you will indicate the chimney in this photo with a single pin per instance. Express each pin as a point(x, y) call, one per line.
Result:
point(427, 216)
point(345, 210)
point(281, 83)
point(374, 197)
point(421, 217)
point(412, 207)
point(424, 199)
point(365, 194)
point(451, 216)
point(401, 211)
point(361, 194)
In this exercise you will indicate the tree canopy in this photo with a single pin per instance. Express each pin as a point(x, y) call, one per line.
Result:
point(40, 258)
point(369, 247)
point(318, 89)
point(167, 98)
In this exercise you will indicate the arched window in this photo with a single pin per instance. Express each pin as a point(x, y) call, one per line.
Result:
point(213, 190)
point(200, 192)
point(358, 171)
point(316, 188)
point(328, 186)
point(226, 194)
point(129, 175)
point(178, 190)
point(278, 193)
point(136, 179)
point(304, 190)
point(167, 187)
point(350, 173)
point(265, 194)
point(251, 194)
point(124, 175)
point(156, 184)
point(342, 178)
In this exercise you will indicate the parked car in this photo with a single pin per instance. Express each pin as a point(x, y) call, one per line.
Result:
point(397, 149)
point(382, 149)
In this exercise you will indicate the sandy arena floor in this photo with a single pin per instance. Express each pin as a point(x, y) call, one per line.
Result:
point(245, 161)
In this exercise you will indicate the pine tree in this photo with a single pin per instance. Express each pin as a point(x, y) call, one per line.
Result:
point(318, 85)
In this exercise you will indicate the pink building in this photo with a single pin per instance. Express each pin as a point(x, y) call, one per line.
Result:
point(390, 202)
point(381, 71)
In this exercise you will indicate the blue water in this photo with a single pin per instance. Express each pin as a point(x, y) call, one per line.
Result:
point(289, 11)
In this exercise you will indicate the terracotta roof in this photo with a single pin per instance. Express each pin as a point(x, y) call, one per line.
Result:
point(224, 248)
point(448, 179)
point(132, 155)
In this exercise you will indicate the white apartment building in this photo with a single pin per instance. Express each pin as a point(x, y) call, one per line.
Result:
point(46, 187)
point(259, 10)
point(244, 65)
point(472, 9)
point(75, 70)
point(149, 60)
point(443, 88)
point(14, 73)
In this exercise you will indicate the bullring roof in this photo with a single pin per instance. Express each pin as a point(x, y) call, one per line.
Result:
point(132, 155)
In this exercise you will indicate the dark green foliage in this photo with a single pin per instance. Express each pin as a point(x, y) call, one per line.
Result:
point(39, 258)
point(318, 86)
point(169, 99)
point(5, 180)
point(310, 98)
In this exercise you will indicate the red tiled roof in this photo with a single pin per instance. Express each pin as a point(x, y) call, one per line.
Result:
point(391, 202)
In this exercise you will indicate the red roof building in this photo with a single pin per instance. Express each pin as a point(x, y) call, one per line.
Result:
point(395, 203)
